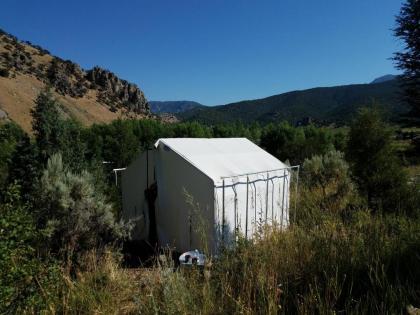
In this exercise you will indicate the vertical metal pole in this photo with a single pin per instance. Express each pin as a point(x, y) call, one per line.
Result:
point(280, 213)
point(255, 203)
point(190, 223)
point(266, 201)
point(296, 192)
point(223, 211)
point(147, 168)
point(272, 200)
point(246, 215)
point(235, 210)
point(282, 199)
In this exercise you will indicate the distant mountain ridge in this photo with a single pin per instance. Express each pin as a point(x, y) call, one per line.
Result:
point(172, 107)
point(98, 95)
point(384, 78)
point(324, 104)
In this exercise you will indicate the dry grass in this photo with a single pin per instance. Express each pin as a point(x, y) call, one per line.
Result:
point(18, 93)
point(344, 260)
point(100, 287)
point(364, 264)
point(17, 96)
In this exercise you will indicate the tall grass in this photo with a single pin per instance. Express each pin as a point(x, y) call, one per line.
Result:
point(360, 264)
point(328, 268)
point(336, 258)
point(100, 286)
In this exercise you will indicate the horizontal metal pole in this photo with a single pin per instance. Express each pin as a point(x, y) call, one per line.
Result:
point(267, 171)
point(119, 169)
point(251, 182)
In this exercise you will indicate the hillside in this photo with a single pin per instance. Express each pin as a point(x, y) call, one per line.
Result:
point(98, 95)
point(172, 107)
point(384, 78)
point(324, 104)
point(89, 96)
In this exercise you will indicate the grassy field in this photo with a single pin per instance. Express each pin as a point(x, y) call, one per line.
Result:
point(332, 260)
point(364, 265)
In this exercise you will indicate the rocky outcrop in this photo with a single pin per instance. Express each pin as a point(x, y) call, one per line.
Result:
point(67, 77)
point(168, 118)
point(3, 115)
point(115, 91)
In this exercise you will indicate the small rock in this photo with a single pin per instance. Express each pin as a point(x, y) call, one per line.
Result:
point(3, 114)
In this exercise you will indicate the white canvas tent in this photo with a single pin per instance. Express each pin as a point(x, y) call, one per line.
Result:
point(208, 191)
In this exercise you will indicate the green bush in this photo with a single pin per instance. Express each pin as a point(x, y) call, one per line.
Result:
point(375, 164)
point(24, 167)
point(10, 135)
point(326, 185)
point(28, 284)
point(74, 214)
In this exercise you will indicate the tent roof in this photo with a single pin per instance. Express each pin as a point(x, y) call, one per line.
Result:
point(223, 157)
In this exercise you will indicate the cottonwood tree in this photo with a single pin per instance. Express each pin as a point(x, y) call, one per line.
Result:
point(408, 60)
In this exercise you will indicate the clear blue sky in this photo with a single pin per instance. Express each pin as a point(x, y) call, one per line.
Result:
point(215, 51)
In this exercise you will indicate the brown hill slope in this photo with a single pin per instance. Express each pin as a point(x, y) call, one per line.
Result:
point(95, 95)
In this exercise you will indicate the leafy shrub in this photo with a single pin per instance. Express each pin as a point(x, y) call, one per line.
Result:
point(326, 183)
point(375, 164)
point(75, 215)
point(27, 283)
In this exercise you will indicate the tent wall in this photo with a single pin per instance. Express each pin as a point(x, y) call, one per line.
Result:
point(179, 224)
point(134, 181)
point(247, 202)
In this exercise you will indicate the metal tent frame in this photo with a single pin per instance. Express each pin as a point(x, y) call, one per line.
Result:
point(292, 169)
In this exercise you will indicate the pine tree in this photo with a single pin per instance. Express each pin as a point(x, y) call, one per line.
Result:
point(24, 167)
point(408, 29)
point(10, 135)
point(46, 124)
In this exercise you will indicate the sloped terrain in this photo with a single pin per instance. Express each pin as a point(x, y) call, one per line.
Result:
point(172, 107)
point(90, 96)
point(325, 105)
